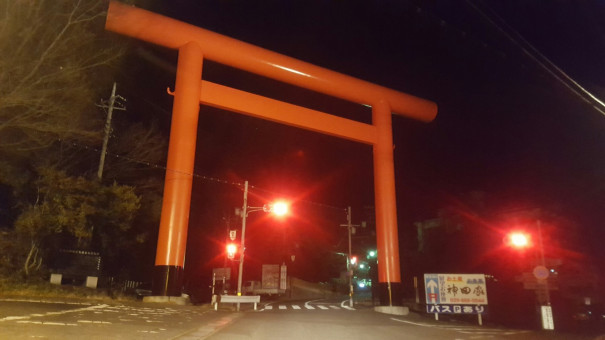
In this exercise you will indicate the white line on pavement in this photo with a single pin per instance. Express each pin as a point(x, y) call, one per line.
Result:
point(308, 302)
point(463, 329)
point(91, 308)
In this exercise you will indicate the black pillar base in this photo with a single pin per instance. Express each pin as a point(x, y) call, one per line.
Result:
point(167, 281)
point(392, 298)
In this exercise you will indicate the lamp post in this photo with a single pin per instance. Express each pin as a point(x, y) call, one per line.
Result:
point(276, 208)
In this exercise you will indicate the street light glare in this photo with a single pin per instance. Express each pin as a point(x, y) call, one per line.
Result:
point(280, 208)
point(519, 240)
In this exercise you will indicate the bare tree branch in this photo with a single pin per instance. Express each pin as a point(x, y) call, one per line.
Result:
point(49, 53)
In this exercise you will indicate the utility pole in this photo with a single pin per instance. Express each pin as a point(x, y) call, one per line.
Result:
point(242, 244)
point(112, 105)
point(351, 230)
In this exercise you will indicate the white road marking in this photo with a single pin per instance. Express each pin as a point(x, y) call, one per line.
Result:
point(282, 307)
point(345, 303)
point(11, 318)
point(47, 323)
point(54, 323)
point(91, 308)
point(308, 302)
point(334, 307)
point(322, 307)
point(268, 307)
point(48, 301)
point(295, 306)
point(465, 330)
point(93, 321)
point(309, 306)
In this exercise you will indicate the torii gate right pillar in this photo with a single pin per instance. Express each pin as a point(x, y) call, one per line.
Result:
point(387, 240)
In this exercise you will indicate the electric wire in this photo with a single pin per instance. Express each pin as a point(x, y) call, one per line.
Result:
point(196, 175)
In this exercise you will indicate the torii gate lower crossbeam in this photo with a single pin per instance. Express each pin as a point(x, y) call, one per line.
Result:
point(195, 44)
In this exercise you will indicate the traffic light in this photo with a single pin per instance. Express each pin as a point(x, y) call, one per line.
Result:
point(231, 250)
point(353, 261)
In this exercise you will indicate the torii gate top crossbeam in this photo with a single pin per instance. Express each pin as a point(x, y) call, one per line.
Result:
point(171, 33)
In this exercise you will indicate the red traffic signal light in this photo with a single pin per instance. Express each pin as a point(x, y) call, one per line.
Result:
point(231, 250)
point(353, 260)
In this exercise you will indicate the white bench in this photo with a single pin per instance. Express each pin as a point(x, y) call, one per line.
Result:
point(216, 299)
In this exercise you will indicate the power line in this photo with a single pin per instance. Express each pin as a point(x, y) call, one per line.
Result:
point(530, 51)
point(197, 175)
point(527, 48)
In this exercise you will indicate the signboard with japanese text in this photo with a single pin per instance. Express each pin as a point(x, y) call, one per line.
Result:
point(455, 289)
point(270, 273)
point(456, 309)
point(221, 273)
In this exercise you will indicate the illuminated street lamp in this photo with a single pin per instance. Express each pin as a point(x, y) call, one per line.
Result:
point(519, 240)
point(277, 208)
point(522, 240)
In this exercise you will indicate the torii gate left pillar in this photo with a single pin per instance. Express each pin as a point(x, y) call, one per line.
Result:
point(194, 44)
point(172, 238)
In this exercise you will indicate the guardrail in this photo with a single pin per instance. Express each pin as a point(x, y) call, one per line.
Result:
point(216, 299)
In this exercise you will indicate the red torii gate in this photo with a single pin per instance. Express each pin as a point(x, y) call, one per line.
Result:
point(194, 44)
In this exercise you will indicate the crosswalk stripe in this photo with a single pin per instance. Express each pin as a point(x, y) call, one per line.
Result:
point(334, 307)
point(268, 307)
point(323, 307)
point(309, 307)
point(296, 306)
point(282, 307)
point(347, 307)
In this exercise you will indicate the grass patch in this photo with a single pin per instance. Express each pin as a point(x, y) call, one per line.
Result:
point(10, 288)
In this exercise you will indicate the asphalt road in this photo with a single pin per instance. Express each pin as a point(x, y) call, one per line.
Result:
point(314, 319)
point(20, 319)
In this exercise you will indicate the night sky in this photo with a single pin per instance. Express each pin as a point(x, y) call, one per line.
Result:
point(507, 76)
